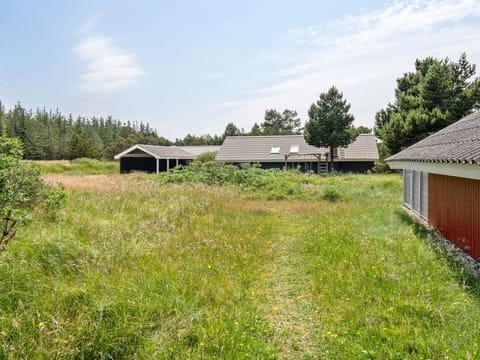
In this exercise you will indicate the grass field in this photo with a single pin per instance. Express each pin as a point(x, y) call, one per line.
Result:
point(77, 167)
point(140, 267)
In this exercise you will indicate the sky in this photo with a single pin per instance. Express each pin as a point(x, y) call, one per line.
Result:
point(192, 67)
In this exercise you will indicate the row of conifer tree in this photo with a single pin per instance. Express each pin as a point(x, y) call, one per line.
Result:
point(50, 135)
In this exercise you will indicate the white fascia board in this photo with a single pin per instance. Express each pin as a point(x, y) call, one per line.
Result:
point(131, 148)
point(134, 147)
point(468, 171)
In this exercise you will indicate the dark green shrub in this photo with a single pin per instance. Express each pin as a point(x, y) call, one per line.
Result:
point(206, 157)
point(381, 167)
point(21, 187)
point(332, 195)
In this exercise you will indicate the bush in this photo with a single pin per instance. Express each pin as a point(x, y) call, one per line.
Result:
point(274, 184)
point(332, 195)
point(206, 157)
point(21, 187)
point(381, 167)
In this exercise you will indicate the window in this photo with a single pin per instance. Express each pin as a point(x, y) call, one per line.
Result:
point(424, 195)
point(294, 149)
point(415, 191)
point(275, 150)
point(407, 188)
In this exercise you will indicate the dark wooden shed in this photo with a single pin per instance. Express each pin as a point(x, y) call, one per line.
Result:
point(152, 158)
point(441, 181)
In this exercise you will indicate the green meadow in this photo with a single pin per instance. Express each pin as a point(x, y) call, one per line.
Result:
point(224, 264)
point(79, 166)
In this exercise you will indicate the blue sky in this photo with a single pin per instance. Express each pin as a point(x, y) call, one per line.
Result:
point(194, 66)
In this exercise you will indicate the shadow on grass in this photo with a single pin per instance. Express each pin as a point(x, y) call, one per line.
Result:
point(465, 268)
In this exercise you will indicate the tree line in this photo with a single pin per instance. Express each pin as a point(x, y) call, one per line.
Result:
point(438, 93)
point(48, 135)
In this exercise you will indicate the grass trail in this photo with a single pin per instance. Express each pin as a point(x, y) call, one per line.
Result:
point(290, 309)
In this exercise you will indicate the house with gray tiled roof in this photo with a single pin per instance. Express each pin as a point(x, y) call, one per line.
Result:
point(291, 151)
point(441, 181)
point(276, 151)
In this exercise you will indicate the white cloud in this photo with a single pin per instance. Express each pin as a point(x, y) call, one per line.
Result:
point(363, 55)
point(109, 68)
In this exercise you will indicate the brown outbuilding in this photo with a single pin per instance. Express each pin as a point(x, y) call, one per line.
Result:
point(441, 181)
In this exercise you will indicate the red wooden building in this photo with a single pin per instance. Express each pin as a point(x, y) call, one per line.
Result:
point(441, 181)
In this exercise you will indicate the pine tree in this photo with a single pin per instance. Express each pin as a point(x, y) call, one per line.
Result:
point(329, 122)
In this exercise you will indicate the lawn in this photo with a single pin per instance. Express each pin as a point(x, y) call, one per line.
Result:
point(284, 266)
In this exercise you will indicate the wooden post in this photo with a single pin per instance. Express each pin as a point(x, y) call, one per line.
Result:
point(168, 165)
point(157, 165)
point(176, 162)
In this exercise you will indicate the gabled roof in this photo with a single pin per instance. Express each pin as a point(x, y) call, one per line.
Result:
point(260, 149)
point(160, 152)
point(458, 143)
point(363, 148)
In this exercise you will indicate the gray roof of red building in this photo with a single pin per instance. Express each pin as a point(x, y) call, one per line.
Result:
point(457, 143)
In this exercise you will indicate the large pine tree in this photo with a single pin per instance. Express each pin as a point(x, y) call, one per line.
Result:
point(329, 122)
point(437, 94)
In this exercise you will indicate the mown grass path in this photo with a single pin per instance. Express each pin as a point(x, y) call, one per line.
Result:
point(137, 269)
point(289, 301)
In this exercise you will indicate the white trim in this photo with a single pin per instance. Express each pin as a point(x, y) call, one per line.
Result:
point(134, 147)
point(144, 155)
point(458, 170)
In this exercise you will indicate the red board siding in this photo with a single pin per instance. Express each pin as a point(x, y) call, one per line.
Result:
point(454, 208)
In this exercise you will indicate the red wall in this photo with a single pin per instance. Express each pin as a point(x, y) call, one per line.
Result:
point(454, 208)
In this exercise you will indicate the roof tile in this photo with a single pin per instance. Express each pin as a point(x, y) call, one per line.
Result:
point(457, 143)
point(258, 148)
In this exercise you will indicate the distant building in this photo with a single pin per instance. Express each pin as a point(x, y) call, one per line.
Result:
point(155, 159)
point(278, 151)
point(441, 181)
point(292, 151)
